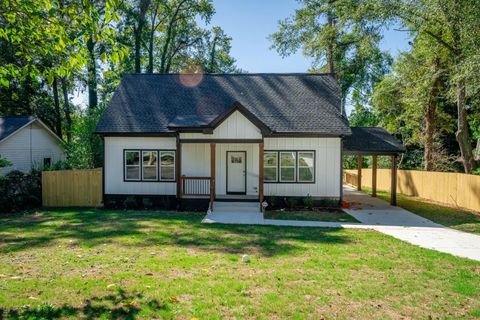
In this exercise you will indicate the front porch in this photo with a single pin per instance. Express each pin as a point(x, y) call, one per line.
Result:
point(220, 170)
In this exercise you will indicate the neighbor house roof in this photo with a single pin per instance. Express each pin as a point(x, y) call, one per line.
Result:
point(10, 124)
point(281, 103)
point(371, 141)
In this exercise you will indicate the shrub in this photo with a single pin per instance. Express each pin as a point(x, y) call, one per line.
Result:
point(291, 202)
point(20, 191)
point(272, 201)
point(308, 201)
point(130, 203)
point(147, 203)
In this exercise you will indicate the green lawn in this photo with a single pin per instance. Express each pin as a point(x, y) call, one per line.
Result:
point(330, 216)
point(117, 264)
point(455, 218)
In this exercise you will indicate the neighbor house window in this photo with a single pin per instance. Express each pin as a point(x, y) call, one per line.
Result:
point(270, 166)
point(47, 162)
point(167, 165)
point(287, 166)
point(150, 165)
point(306, 167)
point(132, 165)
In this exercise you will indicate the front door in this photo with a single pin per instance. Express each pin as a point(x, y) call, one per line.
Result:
point(236, 172)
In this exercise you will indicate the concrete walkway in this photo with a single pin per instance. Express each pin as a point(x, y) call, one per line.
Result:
point(378, 215)
point(409, 227)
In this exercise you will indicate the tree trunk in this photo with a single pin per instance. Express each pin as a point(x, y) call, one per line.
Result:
point(138, 30)
point(431, 118)
point(56, 102)
point(153, 27)
point(166, 45)
point(331, 40)
point(66, 110)
point(211, 63)
point(463, 134)
point(150, 52)
point(92, 75)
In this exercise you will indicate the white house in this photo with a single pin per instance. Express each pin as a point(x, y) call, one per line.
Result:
point(26, 142)
point(217, 137)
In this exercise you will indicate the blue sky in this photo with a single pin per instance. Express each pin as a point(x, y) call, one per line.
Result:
point(250, 22)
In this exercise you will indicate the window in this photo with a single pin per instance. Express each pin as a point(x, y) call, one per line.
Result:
point(47, 162)
point(149, 165)
point(132, 165)
point(167, 165)
point(270, 166)
point(306, 167)
point(287, 166)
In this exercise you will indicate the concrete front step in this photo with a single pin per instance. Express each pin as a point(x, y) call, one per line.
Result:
point(236, 207)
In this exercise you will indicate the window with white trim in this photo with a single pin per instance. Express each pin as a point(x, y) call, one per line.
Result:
point(306, 166)
point(150, 165)
point(270, 166)
point(287, 166)
point(132, 165)
point(167, 165)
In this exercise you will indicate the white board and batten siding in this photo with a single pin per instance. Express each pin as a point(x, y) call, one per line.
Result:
point(114, 182)
point(236, 126)
point(196, 160)
point(29, 146)
point(327, 167)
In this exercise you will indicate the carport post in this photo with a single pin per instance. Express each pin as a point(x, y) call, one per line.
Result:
point(374, 176)
point(359, 173)
point(393, 187)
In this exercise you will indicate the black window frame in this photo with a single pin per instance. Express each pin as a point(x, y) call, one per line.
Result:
point(296, 167)
point(158, 151)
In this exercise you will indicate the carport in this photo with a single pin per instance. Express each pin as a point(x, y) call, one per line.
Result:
point(374, 142)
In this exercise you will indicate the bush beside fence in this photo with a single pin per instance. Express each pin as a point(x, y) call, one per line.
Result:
point(72, 188)
point(453, 189)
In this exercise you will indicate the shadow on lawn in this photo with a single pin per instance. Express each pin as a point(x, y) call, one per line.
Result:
point(89, 228)
point(120, 305)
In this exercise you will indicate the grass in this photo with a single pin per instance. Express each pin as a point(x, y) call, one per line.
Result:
point(330, 216)
point(455, 218)
point(135, 264)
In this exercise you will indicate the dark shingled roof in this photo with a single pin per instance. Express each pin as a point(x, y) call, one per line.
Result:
point(285, 103)
point(10, 124)
point(371, 141)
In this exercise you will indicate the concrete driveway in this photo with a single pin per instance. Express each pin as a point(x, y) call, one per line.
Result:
point(404, 225)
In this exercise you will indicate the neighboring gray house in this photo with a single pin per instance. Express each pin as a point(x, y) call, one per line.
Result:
point(26, 142)
point(224, 137)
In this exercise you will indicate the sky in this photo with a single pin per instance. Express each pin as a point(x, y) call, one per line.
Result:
point(250, 22)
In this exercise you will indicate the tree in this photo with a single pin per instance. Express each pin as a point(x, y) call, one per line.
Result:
point(342, 38)
point(453, 25)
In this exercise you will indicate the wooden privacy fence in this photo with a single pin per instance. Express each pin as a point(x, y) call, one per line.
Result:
point(72, 188)
point(453, 189)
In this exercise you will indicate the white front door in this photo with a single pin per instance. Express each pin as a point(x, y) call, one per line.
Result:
point(236, 175)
